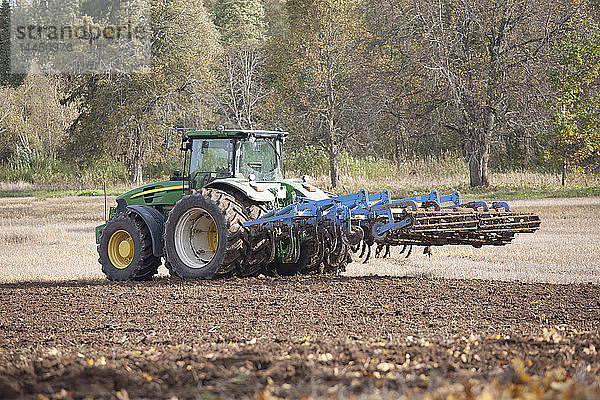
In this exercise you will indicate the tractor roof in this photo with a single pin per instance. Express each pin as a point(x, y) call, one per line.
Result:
point(234, 133)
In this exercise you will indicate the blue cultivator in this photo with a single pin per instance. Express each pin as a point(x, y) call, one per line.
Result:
point(360, 221)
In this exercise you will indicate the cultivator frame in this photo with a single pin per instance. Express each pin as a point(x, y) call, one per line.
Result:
point(360, 221)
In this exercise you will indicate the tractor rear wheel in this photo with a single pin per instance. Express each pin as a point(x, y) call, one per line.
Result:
point(204, 237)
point(125, 249)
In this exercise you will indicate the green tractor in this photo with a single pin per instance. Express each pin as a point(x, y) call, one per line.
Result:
point(232, 213)
point(195, 221)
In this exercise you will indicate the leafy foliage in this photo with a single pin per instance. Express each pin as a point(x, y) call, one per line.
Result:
point(242, 27)
point(317, 72)
point(124, 115)
point(576, 138)
point(501, 85)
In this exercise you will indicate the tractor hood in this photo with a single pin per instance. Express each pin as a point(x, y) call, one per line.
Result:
point(258, 191)
point(156, 193)
point(165, 193)
point(304, 189)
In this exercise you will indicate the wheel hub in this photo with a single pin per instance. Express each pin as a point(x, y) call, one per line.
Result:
point(120, 249)
point(196, 238)
point(124, 249)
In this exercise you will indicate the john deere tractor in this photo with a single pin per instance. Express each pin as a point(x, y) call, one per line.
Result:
point(195, 220)
point(232, 212)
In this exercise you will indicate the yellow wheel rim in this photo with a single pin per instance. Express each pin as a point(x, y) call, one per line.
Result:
point(212, 237)
point(120, 249)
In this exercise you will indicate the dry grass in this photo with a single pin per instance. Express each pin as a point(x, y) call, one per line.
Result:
point(54, 239)
point(16, 186)
point(413, 178)
point(49, 239)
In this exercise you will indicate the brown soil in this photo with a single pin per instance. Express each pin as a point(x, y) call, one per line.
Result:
point(292, 337)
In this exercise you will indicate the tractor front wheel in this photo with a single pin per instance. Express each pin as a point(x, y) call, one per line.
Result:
point(125, 249)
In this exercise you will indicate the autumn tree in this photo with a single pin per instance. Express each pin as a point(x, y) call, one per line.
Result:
point(124, 114)
point(401, 97)
point(5, 43)
point(7, 77)
point(576, 138)
point(242, 27)
point(32, 120)
point(316, 63)
point(484, 56)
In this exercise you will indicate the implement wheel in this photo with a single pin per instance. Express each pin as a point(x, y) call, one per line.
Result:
point(125, 249)
point(301, 266)
point(204, 236)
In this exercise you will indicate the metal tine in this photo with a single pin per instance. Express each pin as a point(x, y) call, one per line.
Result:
point(403, 249)
point(273, 248)
point(409, 251)
point(387, 251)
point(363, 250)
point(368, 254)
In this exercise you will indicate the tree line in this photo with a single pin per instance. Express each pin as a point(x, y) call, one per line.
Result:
point(506, 84)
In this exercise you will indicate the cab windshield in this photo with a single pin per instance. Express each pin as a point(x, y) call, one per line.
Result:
point(223, 158)
point(260, 157)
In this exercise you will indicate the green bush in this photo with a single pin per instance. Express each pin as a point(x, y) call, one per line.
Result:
point(33, 168)
point(103, 171)
point(308, 160)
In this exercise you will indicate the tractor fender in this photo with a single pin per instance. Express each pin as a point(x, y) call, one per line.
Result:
point(156, 224)
point(245, 188)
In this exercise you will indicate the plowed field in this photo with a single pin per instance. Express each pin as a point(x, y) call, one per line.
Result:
point(431, 330)
point(317, 337)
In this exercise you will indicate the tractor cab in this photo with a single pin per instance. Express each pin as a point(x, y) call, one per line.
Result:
point(245, 155)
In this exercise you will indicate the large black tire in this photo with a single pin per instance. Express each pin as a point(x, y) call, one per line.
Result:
point(142, 264)
point(229, 252)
